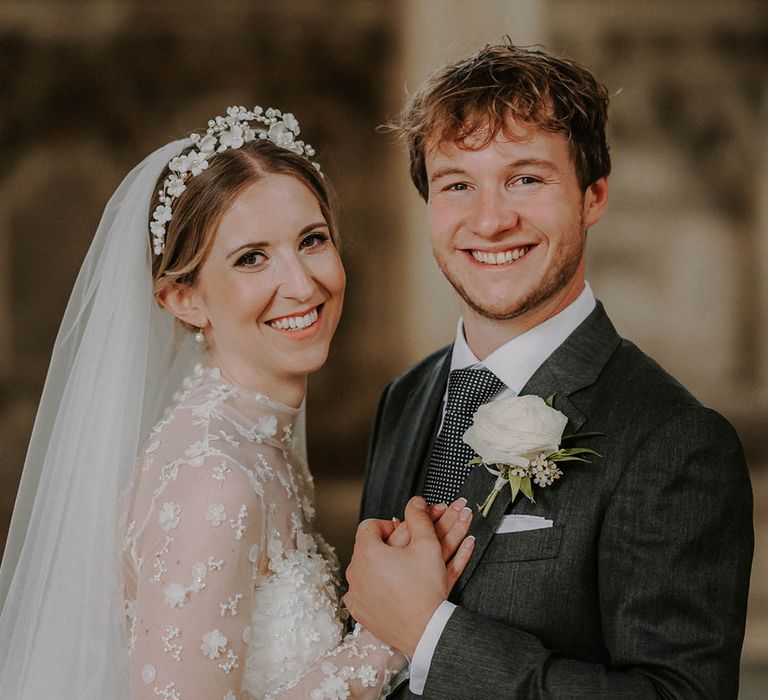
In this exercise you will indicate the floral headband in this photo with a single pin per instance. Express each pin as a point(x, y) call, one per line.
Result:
point(223, 133)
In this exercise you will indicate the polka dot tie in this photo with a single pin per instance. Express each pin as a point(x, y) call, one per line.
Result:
point(468, 389)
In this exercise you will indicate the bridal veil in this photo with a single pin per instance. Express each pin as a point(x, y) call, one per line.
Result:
point(115, 363)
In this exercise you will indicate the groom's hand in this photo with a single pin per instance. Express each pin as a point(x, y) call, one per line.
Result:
point(393, 591)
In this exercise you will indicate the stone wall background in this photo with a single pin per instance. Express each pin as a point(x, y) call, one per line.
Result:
point(681, 260)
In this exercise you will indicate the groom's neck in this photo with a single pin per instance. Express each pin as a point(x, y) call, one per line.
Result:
point(485, 335)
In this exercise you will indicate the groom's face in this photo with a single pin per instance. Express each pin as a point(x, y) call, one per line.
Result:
point(508, 220)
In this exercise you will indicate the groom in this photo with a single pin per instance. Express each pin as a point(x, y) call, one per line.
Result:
point(628, 576)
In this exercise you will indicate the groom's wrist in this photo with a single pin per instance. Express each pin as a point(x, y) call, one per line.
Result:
point(425, 649)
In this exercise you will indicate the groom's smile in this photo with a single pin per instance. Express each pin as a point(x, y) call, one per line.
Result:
point(500, 257)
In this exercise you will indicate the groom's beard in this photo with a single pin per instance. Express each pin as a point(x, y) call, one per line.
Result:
point(558, 275)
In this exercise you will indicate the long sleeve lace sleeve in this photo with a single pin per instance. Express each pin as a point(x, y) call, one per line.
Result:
point(194, 591)
point(360, 668)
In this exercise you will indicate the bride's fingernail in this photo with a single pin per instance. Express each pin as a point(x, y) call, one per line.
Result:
point(469, 541)
point(459, 503)
point(465, 514)
point(440, 506)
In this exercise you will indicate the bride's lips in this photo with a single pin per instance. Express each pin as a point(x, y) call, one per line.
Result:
point(298, 326)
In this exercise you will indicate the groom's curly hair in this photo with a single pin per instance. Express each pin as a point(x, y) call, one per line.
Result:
point(477, 95)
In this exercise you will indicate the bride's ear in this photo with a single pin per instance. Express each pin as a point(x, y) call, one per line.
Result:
point(184, 302)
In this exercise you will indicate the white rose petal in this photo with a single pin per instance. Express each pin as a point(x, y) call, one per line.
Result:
point(515, 430)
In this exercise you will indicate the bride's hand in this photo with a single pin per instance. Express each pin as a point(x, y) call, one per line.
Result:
point(451, 527)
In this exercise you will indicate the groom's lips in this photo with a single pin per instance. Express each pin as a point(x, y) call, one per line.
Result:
point(498, 257)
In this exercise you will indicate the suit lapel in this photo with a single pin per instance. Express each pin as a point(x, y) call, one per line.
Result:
point(573, 367)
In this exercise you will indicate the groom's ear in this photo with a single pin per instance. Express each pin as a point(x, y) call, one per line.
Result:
point(595, 202)
point(185, 303)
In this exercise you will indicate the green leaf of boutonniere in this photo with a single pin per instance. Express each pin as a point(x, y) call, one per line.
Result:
point(515, 483)
point(570, 451)
point(582, 435)
point(527, 489)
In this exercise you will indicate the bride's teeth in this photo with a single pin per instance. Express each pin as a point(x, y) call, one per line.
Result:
point(295, 322)
point(507, 256)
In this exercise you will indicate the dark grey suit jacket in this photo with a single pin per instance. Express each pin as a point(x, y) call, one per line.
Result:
point(640, 588)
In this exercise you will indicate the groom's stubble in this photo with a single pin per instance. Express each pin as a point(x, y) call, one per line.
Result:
point(556, 278)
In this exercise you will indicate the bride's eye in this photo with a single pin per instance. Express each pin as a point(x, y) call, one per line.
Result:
point(250, 259)
point(316, 239)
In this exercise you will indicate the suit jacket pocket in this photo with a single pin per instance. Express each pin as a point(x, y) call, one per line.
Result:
point(528, 545)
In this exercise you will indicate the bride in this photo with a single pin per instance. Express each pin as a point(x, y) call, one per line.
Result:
point(192, 570)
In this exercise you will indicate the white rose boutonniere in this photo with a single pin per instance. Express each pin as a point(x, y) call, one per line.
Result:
point(521, 437)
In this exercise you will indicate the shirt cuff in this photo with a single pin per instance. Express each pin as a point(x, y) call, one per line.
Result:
point(422, 657)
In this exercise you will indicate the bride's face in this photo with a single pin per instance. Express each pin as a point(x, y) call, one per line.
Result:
point(272, 286)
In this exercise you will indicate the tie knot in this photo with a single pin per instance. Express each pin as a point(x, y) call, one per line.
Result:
point(469, 388)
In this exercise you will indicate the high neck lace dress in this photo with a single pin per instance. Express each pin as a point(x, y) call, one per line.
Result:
point(229, 593)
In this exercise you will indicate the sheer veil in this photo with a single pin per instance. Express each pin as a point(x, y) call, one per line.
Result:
point(116, 361)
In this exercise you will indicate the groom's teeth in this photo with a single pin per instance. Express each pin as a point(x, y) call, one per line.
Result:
point(506, 256)
point(295, 322)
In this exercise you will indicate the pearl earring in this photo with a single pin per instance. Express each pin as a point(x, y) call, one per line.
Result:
point(200, 336)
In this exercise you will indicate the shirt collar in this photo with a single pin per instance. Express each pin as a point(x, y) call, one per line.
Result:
point(515, 362)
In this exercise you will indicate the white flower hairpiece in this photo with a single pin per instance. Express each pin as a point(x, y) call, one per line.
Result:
point(223, 133)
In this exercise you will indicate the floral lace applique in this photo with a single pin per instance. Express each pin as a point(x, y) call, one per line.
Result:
point(239, 525)
point(216, 515)
point(174, 650)
point(176, 594)
point(214, 643)
point(220, 473)
point(231, 605)
point(160, 567)
point(168, 693)
point(168, 515)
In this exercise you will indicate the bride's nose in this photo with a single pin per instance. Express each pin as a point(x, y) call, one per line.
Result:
point(296, 282)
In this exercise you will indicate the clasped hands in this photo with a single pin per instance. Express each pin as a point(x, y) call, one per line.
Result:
point(401, 572)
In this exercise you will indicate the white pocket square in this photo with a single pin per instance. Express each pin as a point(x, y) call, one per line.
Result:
point(520, 523)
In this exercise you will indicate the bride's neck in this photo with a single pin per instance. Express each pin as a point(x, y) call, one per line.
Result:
point(287, 389)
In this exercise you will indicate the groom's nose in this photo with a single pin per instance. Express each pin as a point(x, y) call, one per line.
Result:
point(491, 213)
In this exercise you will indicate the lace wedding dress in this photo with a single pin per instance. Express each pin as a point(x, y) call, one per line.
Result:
point(229, 593)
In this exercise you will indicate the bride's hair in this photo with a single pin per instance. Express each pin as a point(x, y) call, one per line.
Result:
point(208, 196)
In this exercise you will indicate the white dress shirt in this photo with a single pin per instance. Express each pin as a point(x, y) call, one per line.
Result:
point(514, 363)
